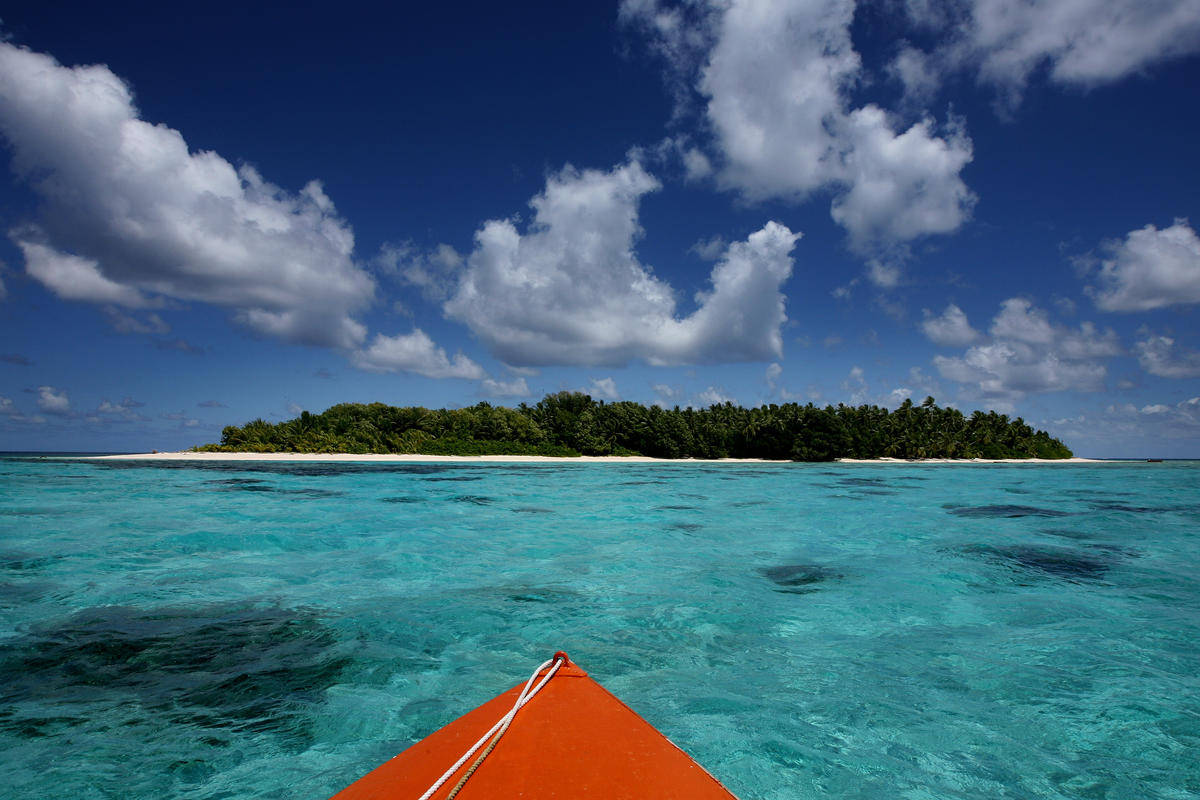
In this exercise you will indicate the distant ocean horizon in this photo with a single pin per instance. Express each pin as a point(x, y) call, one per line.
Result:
point(252, 629)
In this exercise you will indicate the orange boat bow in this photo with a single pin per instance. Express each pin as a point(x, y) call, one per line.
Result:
point(574, 739)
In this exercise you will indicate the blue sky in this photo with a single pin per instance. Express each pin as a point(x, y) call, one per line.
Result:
point(213, 214)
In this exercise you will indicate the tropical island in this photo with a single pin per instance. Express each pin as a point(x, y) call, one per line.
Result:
point(574, 424)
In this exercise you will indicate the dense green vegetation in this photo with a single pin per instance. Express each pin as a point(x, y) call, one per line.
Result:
point(570, 423)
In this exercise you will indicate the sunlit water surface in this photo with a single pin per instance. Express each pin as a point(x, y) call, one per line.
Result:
point(804, 631)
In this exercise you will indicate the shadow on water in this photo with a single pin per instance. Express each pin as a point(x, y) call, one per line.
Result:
point(865, 486)
point(216, 666)
point(1129, 509)
point(542, 594)
point(26, 562)
point(1063, 563)
point(319, 469)
point(864, 482)
point(473, 499)
point(1093, 493)
point(20, 578)
point(1063, 533)
point(798, 578)
point(1003, 511)
point(738, 473)
point(259, 485)
point(14, 594)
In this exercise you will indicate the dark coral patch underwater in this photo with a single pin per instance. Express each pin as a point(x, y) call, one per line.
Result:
point(259, 485)
point(1003, 511)
point(864, 482)
point(302, 469)
point(26, 562)
point(797, 578)
point(215, 666)
point(1056, 562)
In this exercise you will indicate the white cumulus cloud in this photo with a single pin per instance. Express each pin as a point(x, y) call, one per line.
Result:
point(128, 323)
point(1151, 268)
point(414, 352)
point(74, 278)
point(775, 78)
point(124, 411)
point(604, 389)
point(916, 72)
point(856, 386)
point(1154, 429)
point(666, 395)
point(1159, 356)
point(949, 329)
point(53, 401)
point(901, 186)
point(571, 290)
point(1028, 354)
point(772, 376)
point(432, 272)
point(517, 387)
point(131, 216)
point(714, 396)
point(1082, 43)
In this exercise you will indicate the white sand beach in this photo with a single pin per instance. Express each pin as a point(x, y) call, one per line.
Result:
point(886, 460)
point(394, 457)
point(405, 457)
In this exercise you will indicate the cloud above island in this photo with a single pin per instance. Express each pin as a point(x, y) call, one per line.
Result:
point(1027, 354)
point(414, 352)
point(570, 289)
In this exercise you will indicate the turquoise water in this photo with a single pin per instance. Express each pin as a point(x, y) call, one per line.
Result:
point(804, 631)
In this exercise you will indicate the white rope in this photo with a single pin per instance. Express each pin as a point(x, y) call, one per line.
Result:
point(524, 697)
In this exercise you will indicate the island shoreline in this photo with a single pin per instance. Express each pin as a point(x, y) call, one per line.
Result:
point(383, 458)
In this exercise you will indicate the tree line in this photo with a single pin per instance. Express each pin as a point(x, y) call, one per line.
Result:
point(573, 423)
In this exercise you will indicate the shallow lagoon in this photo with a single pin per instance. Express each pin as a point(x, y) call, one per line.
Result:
point(805, 631)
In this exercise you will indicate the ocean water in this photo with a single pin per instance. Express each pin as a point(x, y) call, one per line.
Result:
point(804, 631)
